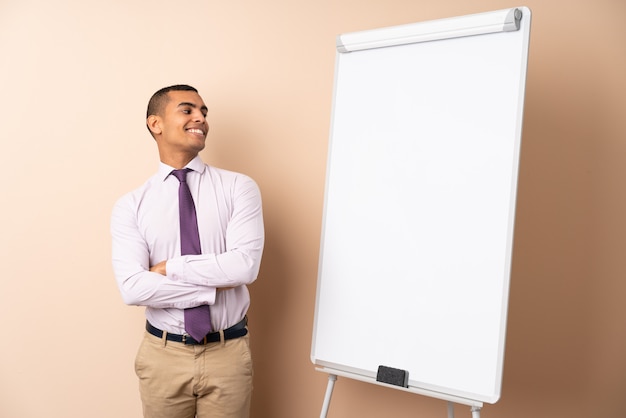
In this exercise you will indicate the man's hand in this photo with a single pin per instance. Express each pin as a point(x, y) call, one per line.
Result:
point(159, 268)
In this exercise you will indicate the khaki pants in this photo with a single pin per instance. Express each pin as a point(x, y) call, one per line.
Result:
point(187, 381)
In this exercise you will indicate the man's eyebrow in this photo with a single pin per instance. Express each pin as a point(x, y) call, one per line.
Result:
point(182, 104)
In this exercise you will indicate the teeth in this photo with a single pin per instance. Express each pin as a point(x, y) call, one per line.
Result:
point(195, 131)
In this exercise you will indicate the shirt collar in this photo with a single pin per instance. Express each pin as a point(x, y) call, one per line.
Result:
point(196, 165)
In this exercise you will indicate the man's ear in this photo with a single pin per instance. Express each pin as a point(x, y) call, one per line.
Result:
point(154, 124)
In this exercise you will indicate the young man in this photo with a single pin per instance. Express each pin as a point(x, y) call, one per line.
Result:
point(209, 375)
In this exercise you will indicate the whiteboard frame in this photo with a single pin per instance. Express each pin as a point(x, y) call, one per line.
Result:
point(452, 28)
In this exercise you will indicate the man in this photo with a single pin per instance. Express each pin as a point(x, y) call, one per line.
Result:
point(210, 374)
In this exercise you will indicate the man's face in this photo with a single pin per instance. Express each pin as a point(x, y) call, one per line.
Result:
point(183, 123)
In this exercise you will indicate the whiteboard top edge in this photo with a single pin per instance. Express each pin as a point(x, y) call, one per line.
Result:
point(453, 27)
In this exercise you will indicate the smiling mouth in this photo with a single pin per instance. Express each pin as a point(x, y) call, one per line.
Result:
point(195, 131)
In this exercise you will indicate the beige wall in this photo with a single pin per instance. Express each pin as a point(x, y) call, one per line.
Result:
point(75, 78)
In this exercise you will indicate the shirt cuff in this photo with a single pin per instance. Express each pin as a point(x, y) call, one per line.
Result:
point(188, 268)
point(175, 269)
point(206, 295)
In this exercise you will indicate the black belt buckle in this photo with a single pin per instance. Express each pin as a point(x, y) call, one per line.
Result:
point(189, 340)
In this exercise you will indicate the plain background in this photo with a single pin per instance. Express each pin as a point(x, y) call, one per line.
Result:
point(75, 77)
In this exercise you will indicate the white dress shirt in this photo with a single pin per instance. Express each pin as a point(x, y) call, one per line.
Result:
point(145, 231)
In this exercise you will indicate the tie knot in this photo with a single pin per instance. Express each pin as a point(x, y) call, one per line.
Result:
point(181, 174)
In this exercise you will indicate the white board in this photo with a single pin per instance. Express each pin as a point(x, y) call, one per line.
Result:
point(419, 206)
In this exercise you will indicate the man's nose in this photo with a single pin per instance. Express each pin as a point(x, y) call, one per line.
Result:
point(199, 116)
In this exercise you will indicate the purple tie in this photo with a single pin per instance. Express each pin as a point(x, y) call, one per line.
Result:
point(198, 319)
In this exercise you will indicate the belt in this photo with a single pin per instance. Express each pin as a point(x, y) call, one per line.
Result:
point(236, 331)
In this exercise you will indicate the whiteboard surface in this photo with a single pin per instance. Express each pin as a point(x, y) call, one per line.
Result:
point(419, 211)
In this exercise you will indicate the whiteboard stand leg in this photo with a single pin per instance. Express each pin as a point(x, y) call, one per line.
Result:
point(475, 411)
point(450, 409)
point(329, 393)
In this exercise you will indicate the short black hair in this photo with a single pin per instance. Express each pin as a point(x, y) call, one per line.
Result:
point(159, 99)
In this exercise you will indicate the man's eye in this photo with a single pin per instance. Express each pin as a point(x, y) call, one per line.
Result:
point(186, 111)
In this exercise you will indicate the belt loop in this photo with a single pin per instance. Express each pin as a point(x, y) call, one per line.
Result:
point(164, 338)
point(222, 339)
